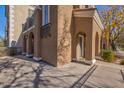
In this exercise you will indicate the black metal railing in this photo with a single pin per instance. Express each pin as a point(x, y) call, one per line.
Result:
point(45, 32)
point(29, 23)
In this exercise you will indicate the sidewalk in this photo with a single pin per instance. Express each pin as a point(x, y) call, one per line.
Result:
point(24, 72)
point(107, 75)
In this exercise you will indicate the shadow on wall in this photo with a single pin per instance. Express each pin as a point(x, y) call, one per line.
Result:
point(18, 45)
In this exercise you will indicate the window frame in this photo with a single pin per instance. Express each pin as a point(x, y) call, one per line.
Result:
point(30, 12)
point(82, 44)
point(44, 22)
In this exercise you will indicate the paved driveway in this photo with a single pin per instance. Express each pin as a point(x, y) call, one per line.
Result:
point(20, 71)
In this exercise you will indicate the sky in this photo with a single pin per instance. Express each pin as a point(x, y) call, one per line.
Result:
point(101, 7)
point(2, 21)
point(3, 18)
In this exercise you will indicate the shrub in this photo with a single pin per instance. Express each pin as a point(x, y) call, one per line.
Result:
point(11, 51)
point(122, 62)
point(108, 55)
point(3, 51)
point(1, 44)
point(122, 49)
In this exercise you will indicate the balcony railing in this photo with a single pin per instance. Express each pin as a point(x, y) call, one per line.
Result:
point(29, 23)
point(46, 30)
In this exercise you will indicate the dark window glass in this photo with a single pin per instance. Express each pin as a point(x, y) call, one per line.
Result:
point(86, 6)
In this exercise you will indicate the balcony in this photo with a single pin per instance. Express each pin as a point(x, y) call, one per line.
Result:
point(46, 30)
point(89, 13)
point(28, 24)
point(86, 12)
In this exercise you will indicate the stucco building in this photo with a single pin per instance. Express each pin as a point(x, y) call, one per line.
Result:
point(55, 33)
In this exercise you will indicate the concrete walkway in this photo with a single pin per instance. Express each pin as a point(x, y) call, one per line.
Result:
point(120, 53)
point(107, 75)
point(20, 71)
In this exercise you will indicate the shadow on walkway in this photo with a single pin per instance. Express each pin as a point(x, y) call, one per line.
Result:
point(20, 71)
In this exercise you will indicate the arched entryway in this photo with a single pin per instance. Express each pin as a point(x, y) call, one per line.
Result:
point(80, 47)
point(31, 43)
point(97, 44)
point(25, 44)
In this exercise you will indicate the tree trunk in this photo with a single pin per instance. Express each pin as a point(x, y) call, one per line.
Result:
point(113, 45)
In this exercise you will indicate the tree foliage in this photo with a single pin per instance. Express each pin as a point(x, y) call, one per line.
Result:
point(113, 21)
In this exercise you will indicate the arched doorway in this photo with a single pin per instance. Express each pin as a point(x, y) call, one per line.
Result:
point(80, 47)
point(25, 44)
point(96, 44)
point(31, 43)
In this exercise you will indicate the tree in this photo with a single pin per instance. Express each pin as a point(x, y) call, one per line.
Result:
point(113, 21)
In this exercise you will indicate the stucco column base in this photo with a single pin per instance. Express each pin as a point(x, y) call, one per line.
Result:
point(29, 55)
point(90, 62)
point(80, 60)
point(74, 59)
point(37, 58)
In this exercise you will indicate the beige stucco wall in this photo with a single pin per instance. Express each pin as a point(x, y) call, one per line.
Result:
point(49, 44)
point(83, 26)
point(64, 34)
point(96, 29)
point(20, 15)
point(28, 41)
point(60, 47)
point(45, 46)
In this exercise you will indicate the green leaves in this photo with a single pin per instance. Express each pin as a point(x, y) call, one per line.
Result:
point(113, 21)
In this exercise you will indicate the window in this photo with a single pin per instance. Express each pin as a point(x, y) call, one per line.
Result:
point(86, 6)
point(30, 12)
point(82, 47)
point(46, 15)
point(76, 7)
point(81, 6)
point(92, 6)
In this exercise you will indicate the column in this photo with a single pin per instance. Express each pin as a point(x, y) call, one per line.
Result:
point(37, 39)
